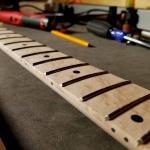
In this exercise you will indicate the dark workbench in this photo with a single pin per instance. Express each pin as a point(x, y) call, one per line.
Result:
point(39, 119)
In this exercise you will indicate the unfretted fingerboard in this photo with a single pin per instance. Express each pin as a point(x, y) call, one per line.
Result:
point(119, 106)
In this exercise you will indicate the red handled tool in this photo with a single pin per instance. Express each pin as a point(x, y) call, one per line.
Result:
point(29, 20)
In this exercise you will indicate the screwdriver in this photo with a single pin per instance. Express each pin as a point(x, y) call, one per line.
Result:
point(104, 29)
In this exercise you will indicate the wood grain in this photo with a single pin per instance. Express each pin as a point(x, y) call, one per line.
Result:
point(117, 105)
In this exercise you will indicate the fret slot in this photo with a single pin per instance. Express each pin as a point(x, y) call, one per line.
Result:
point(32, 50)
point(104, 90)
point(40, 59)
point(54, 65)
point(37, 53)
point(116, 98)
point(66, 68)
point(15, 40)
point(73, 75)
point(127, 107)
point(144, 139)
point(83, 78)
point(50, 60)
point(90, 87)
point(20, 41)
point(22, 45)
point(134, 123)
point(10, 36)
point(25, 47)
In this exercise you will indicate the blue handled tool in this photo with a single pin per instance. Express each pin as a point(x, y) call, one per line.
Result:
point(104, 29)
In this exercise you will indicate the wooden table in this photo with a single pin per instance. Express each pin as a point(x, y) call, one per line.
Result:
point(144, 4)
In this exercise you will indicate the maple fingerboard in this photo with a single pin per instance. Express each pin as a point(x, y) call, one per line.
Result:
point(118, 106)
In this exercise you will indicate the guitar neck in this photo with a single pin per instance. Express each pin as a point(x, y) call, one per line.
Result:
point(117, 105)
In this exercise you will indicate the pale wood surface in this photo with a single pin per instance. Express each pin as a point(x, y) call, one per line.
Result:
point(144, 4)
point(10, 36)
point(84, 87)
point(2, 29)
point(99, 2)
point(100, 106)
point(13, 40)
point(46, 56)
point(67, 75)
point(6, 32)
point(2, 147)
point(50, 66)
point(22, 45)
point(32, 50)
point(130, 129)
point(121, 97)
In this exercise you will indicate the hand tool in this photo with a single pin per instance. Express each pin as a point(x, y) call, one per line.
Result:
point(145, 34)
point(18, 18)
point(39, 21)
point(104, 29)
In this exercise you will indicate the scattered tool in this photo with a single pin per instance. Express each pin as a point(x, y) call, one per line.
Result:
point(145, 34)
point(40, 21)
point(104, 29)
point(18, 18)
point(71, 38)
point(142, 43)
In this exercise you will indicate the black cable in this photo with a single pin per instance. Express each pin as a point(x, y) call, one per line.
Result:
point(92, 10)
point(78, 17)
point(37, 8)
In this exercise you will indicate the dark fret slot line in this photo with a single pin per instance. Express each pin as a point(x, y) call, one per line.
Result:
point(19, 42)
point(127, 107)
point(25, 47)
point(66, 68)
point(50, 60)
point(83, 78)
point(6, 33)
point(104, 90)
point(11, 37)
point(145, 139)
point(43, 52)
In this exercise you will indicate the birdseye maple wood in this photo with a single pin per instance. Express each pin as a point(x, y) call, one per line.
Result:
point(117, 105)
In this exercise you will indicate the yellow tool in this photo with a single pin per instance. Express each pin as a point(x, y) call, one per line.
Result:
point(71, 38)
